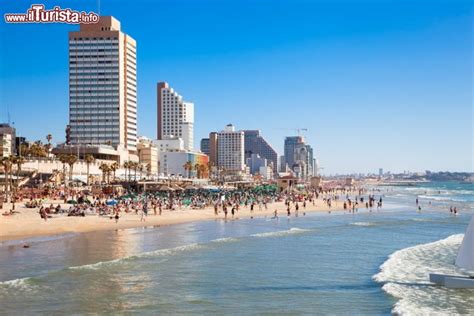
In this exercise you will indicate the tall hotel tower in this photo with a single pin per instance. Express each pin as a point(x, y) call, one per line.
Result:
point(175, 116)
point(103, 86)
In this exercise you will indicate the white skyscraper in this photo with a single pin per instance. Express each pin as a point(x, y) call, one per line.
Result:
point(102, 86)
point(175, 116)
point(230, 149)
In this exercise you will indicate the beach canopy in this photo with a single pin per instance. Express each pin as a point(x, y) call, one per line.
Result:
point(166, 188)
point(177, 188)
point(465, 258)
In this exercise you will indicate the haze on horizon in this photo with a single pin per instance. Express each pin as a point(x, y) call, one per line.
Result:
point(379, 84)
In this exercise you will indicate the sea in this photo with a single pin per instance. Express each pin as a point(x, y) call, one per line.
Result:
point(368, 263)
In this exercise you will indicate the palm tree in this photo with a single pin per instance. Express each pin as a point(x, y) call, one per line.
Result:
point(185, 167)
point(197, 168)
point(105, 170)
point(49, 137)
point(125, 166)
point(23, 150)
point(114, 167)
point(148, 170)
point(135, 166)
point(128, 165)
point(64, 158)
point(204, 171)
point(18, 161)
point(141, 169)
point(188, 166)
point(88, 159)
point(71, 161)
point(7, 168)
point(209, 168)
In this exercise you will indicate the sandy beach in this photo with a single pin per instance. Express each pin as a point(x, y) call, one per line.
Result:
point(26, 222)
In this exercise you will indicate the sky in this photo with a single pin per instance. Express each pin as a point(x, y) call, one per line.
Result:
point(377, 83)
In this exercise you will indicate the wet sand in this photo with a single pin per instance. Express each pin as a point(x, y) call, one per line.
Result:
point(27, 222)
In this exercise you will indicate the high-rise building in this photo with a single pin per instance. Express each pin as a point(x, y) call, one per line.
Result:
point(283, 164)
point(172, 163)
point(213, 148)
point(290, 144)
point(254, 162)
point(169, 143)
point(299, 156)
point(7, 140)
point(256, 144)
point(230, 149)
point(175, 116)
point(148, 154)
point(205, 146)
point(103, 86)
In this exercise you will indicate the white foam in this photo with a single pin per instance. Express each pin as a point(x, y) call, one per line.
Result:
point(291, 231)
point(155, 253)
point(21, 284)
point(440, 198)
point(366, 224)
point(406, 272)
point(226, 240)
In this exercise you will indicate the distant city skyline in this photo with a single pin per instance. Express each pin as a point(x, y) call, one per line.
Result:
point(378, 84)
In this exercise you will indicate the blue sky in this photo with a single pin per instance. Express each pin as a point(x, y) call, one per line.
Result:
point(378, 83)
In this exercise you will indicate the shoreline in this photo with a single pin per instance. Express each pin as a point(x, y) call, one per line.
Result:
point(27, 224)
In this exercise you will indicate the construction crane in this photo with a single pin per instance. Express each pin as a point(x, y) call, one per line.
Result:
point(298, 130)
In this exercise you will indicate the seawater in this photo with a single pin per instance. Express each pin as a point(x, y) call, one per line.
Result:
point(365, 263)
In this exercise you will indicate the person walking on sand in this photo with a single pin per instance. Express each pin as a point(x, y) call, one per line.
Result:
point(275, 214)
point(43, 214)
point(144, 211)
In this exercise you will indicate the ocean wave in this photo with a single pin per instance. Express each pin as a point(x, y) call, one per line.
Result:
point(406, 272)
point(441, 198)
point(365, 224)
point(226, 240)
point(150, 254)
point(291, 231)
point(19, 285)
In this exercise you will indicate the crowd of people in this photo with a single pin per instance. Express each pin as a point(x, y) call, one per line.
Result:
point(227, 202)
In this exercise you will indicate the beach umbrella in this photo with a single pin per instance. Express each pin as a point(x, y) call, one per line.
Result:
point(111, 202)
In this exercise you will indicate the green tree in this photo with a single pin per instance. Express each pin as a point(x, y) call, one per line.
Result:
point(88, 159)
